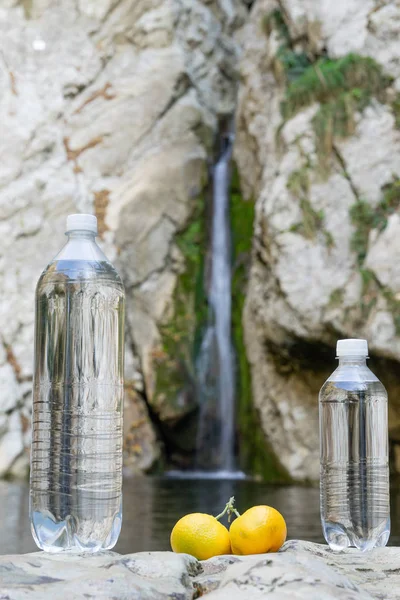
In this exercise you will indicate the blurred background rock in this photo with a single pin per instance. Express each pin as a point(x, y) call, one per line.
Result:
point(117, 107)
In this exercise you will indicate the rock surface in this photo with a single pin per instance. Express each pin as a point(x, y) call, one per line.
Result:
point(108, 106)
point(307, 570)
point(299, 570)
point(325, 182)
point(148, 576)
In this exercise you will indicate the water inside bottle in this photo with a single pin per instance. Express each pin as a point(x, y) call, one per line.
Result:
point(354, 464)
point(76, 463)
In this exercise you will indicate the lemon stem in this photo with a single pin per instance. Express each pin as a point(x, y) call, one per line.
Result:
point(230, 509)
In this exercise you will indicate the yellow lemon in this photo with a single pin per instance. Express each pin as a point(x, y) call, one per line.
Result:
point(260, 529)
point(200, 535)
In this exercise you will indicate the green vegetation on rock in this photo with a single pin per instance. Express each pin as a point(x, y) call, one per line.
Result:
point(174, 391)
point(371, 290)
point(366, 217)
point(394, 307)
point(289, 64)
point(342, 87)
point(336, 298)
point(298, 184)
point(362, 217)
point(396, 110)
point(370, 293)
point(255, 454)
point(313, 221)
point(327, 81)
point(391, 199)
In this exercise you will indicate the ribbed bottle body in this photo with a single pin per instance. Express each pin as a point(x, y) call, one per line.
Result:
point(355, 507)
point(76, 461)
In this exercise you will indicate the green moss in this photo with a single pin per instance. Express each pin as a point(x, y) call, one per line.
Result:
point(275, 20)
point(370, 293)
point(336, 298)
point(396, 110)
point(329, 241)
point(255, 455)
point(371, 290)
point(367, 277)
point(361, 215)
point(298, 182)
point(181, 335)
point(394, 307)
point(294, 63)
point(365, 217)
point(289, 64)
point(391, 200)
point(312, 221)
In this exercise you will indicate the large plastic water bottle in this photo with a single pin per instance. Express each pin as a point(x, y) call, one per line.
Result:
point(354, 453)
point(76, 461)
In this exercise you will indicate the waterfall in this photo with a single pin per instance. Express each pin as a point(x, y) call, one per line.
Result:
point(215, 364)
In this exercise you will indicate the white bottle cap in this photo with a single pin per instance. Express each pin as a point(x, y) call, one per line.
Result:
point(83, 222)
point(352, 347)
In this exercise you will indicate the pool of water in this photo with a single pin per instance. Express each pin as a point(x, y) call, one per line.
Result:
point(152, 505)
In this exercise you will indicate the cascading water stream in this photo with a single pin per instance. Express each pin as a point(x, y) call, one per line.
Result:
point(215, 365)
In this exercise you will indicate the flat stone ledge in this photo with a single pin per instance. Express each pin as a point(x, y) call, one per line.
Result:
point(111, 576)
point(377, 572)
point(301, 570)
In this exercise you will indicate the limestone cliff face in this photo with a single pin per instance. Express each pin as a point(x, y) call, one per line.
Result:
point(112, 107)
point(108, 106)
point(318, 149)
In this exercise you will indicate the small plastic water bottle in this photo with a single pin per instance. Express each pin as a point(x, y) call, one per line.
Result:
point(76, 459)
point(354, 453)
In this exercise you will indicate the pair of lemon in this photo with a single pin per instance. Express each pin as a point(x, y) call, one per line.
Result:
point(260, 529)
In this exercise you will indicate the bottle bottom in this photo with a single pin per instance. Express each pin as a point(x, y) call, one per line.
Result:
point(340, 537)
point(73, 535)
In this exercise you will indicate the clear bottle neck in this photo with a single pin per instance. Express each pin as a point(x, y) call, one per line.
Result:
point(81, 234)
point(352, 361)
point(81, 245)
